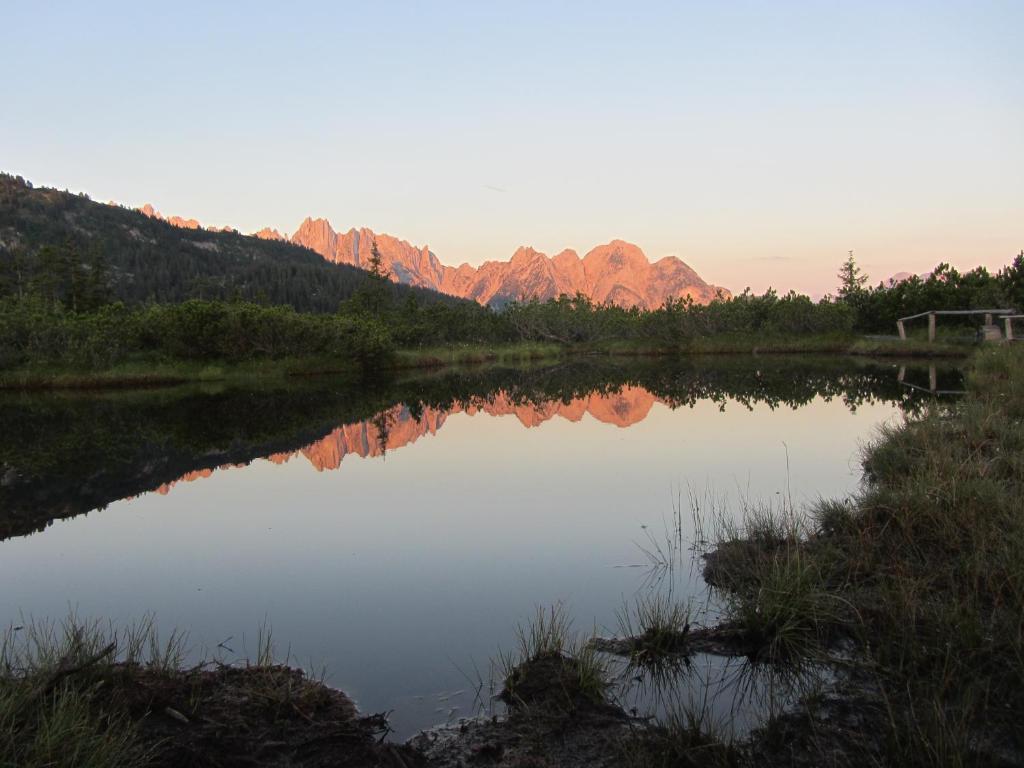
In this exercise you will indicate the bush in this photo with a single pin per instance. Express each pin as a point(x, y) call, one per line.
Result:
point(35, 331)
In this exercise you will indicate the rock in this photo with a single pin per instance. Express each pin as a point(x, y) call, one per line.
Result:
point(618, 273)
point(269, 234)
point(174, 221)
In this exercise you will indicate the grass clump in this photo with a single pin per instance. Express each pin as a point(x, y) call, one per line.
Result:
point(54, 710)
point(86, 694)
point(658, 626)
point(774, 592)
point(685, 737)
point(791, 616)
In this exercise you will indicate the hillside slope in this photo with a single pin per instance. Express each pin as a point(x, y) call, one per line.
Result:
point(148, 259)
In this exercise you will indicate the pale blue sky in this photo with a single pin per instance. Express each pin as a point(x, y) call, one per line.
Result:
point(757, 141)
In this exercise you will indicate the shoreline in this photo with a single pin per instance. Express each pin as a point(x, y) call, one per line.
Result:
point(162, 373)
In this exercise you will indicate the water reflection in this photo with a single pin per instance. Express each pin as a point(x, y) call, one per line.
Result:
point(64, 455)
point(500, 490)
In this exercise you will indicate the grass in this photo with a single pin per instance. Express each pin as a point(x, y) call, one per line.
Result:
point(553, 665)
point(54, 710)
point(911, 347)
point(835, 344)
point(658, 626)
point(923, 569)
point(474, 354)
point(151, 372)
point(687, 736)
point(89, 694)
point(720, 344)
point(156, 372)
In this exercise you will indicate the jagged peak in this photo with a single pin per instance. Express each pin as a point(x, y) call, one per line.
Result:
point(309, 221)
point(618, 253)
point(269, 233)
point(526, 253)
point(174, 221)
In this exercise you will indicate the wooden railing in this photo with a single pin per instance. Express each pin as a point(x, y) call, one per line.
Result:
point(1008, 322)
point(1005, 314)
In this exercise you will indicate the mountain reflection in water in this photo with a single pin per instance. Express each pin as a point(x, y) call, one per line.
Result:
point(65, 455)
point(397, 427)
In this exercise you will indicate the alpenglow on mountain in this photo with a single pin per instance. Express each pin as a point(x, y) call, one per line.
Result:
point(617, 273)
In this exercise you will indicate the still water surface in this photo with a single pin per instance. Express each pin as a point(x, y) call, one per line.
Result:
point(396, 533)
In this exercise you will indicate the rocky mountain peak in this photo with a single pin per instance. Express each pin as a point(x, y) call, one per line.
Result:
point(617, 272)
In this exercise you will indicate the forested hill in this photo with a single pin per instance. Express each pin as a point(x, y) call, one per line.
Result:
point(58, 242)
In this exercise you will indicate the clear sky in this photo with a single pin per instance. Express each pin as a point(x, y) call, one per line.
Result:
point(756, 141)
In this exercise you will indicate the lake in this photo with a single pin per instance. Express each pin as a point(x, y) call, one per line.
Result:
point(396, 531)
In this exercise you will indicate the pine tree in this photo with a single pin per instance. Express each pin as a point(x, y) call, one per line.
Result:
point(374, 294)
point(851, 279)
point(48, 273)
point(97, 283)
point(377, 271)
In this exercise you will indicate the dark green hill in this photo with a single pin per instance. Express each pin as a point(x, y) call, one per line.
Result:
point(143, 259)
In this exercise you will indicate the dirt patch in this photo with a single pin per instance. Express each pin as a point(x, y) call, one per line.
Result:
point(250, 716)
point(529, 739)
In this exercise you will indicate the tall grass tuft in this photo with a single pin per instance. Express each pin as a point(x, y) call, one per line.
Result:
point(53, 707)
point(553, 664)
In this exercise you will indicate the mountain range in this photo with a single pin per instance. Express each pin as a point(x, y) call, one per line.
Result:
point(617, 273)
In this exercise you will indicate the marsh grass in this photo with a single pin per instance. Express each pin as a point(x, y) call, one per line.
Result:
point(688, 735)
point(914, 346)
point(153, 370)
point(54, 709)
point(790, 616)
point(922, 570)
point(475, 354)
point(91, 693)
point(657, 624)
point(553, 664)
point(161, 372)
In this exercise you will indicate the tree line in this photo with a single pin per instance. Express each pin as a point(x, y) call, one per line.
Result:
point(876, 309)
point(92, 285)
point(66, 314)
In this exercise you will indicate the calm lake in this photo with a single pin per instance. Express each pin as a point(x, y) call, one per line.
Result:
point(396, 532)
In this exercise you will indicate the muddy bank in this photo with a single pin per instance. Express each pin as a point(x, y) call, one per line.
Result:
point(247, 716)
point(550, 721)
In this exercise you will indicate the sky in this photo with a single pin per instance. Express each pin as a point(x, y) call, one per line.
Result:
point(759, 142)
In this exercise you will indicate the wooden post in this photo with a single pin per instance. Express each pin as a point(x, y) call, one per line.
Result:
point(933, 383)
point(931, 326)
point(901, 329)
point(988, 319)
point(1009, 328)
point(902, 374)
